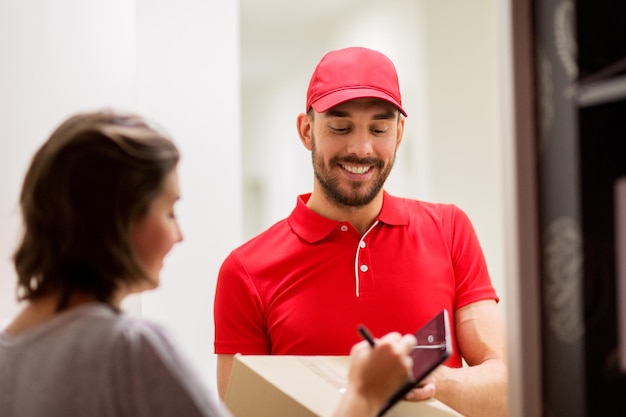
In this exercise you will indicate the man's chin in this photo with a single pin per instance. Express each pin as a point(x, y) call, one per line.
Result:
point(353, 200)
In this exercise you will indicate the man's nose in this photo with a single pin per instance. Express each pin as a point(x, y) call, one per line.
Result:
point(360, 143)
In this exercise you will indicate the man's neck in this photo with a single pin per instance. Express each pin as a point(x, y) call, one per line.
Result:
point(361, 217)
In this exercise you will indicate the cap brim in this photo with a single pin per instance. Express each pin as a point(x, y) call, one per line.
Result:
point(331, 100)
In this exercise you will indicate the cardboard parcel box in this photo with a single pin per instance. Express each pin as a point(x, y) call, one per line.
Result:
point(302, 386)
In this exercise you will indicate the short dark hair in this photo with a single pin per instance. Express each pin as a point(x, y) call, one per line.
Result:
point(97, 173)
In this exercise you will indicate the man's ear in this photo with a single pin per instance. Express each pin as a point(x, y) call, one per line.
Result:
point(304, 126)
point(400, 131)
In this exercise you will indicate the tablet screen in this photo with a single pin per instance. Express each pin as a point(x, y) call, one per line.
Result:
point(432, 349)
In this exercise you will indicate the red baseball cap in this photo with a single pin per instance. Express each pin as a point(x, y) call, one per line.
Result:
point(351, 73)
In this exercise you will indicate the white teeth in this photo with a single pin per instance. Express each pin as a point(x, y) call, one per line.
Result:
point(356, 170)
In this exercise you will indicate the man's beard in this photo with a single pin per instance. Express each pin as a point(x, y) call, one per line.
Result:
point(360, 195)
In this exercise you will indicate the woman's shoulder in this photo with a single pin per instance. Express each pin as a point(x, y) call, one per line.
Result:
point(106, 329)
point(139, 332)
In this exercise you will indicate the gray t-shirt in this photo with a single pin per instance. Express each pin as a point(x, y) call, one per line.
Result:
point(92, 361)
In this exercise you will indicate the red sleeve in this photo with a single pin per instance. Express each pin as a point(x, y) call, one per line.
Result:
point(473, 282)
point(238, 312)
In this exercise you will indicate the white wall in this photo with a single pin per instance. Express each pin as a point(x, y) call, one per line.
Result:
point(463, 109)
point(161, 59)
point(57, 58)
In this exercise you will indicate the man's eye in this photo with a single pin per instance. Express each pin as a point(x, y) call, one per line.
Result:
point(339, 129)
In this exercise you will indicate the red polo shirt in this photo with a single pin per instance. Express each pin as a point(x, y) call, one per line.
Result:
point(302, 286)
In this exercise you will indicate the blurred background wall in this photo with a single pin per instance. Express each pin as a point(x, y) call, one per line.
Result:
point(155, 57)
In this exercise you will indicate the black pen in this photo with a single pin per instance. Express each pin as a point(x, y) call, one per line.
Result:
point(366, 335)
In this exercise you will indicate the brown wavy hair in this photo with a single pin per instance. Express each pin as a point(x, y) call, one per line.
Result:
point(95, 175)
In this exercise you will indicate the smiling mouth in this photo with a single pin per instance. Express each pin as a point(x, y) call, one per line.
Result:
point(353, 169)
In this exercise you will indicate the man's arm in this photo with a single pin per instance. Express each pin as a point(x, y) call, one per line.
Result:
point(480, 389)
point(224, 366)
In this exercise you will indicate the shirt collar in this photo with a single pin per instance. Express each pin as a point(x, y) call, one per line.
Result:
point(394, 211)
point(312, 227)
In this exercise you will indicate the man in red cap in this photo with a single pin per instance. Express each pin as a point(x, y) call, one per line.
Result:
point(351, 253)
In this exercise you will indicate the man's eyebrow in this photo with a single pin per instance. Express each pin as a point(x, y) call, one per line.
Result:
point(389, 114)
point(336, 113)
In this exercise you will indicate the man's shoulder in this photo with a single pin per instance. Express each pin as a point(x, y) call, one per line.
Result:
point(416, 206)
